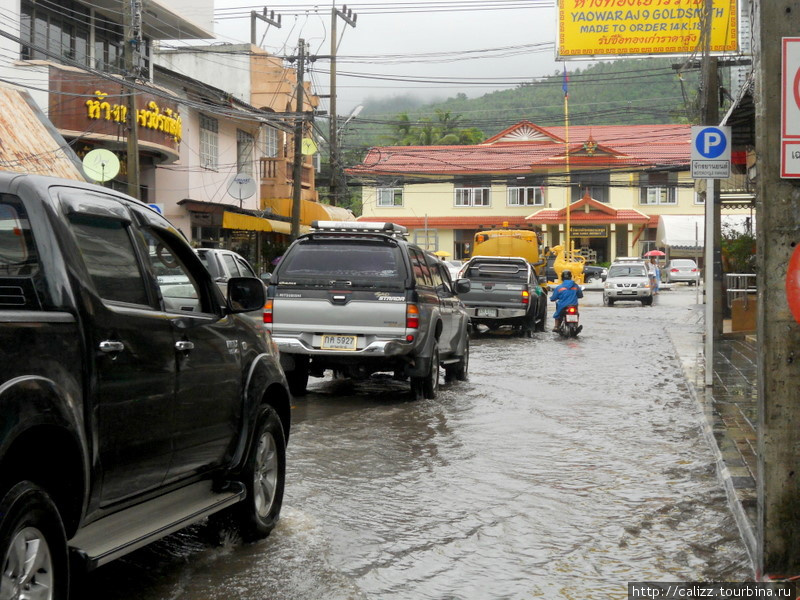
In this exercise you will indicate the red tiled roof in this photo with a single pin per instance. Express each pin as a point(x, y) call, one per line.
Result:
point(618, 147)
point(598, 213)
point(457, 222)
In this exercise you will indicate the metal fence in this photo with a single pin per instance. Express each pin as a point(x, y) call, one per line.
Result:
point(740, 285)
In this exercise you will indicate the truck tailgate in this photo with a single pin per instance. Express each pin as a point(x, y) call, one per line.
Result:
point(329, 313)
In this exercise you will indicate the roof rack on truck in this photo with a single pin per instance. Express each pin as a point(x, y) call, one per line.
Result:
point(392, 229)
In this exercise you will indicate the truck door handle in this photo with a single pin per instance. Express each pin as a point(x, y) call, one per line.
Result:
point(108, 346)
point(184, 346)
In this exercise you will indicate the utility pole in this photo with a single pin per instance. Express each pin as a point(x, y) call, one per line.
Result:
point(132, 25)
point(269, 20)
point(297, 171)
point(778, 334)
point(336, 166)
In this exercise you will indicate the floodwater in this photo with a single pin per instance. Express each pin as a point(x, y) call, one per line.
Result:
point(562, 469)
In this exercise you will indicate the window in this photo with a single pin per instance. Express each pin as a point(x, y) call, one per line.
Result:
point(699, 198)
point(390, 196)
point(658, 188)
point(472, 196)
point(179, 290)
point(244, 152)
point(420, 267)
point(525, 196)
point(55, 31)
point(270, 141)
point(209, 142)
point(18, 255)
point(594, 183)
point(108, 253)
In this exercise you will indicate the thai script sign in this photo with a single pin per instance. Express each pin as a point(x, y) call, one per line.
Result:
point(151, 117)
point(626, 27)
point(588, 231)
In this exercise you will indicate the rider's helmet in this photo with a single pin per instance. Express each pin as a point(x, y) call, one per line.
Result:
point(566, 274)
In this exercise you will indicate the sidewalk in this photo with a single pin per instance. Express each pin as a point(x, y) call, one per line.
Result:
point(730, 411)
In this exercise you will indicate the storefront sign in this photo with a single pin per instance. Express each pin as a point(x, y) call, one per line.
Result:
point(627, 27)
point(150, 117)
point(588, 231)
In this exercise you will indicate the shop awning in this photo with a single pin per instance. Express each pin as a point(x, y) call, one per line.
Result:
point(687, 232)
point(231, 220)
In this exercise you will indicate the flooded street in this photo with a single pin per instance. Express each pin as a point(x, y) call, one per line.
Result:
point(561, 469)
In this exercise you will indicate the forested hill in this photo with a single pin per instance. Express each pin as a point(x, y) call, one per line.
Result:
point(630, 91)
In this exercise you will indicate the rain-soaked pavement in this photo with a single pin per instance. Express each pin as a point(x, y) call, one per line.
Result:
point(561, 469)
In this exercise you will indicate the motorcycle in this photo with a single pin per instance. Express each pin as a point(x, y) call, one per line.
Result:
point(570, 326)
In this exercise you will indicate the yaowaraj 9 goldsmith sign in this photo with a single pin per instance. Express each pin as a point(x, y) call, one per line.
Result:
point(629, 27)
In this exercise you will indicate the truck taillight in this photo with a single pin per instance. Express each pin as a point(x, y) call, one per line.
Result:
point(526, 297)
point(412, 316)
point(268, 311)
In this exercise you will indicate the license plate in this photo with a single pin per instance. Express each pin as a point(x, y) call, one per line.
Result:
point(487, 312)
point(628, 292)
point(572, 318)
point(339, 342)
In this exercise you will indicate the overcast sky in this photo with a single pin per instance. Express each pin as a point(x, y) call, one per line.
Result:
point(493, 44)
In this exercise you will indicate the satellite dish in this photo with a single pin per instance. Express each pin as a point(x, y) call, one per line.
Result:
point(101, 165)
point(308, 147)
point(242, 186)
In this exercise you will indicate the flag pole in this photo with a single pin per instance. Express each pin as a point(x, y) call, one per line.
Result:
point(567, 240)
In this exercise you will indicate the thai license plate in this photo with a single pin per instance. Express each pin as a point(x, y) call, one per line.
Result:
point(572, 318)
point(339, 342)
point(486, 312)
point(628, 292)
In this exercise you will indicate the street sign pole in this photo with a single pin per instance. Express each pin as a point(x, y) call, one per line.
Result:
point(708, 270)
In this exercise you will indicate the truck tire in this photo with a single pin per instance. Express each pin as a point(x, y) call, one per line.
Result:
point(264, 476)
point(460, 370)
point(427, 386)
point(541, 318)
point(33, 545)
point(297, 378)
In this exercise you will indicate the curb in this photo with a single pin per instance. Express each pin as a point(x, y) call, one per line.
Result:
point(701, 397)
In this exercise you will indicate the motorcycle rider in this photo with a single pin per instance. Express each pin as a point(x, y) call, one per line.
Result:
point(566, 294)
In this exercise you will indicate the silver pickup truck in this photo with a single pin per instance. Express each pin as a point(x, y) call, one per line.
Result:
point(358, 298)
point(505, 291)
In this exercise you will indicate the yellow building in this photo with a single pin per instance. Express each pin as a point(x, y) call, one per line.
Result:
point(618, 180)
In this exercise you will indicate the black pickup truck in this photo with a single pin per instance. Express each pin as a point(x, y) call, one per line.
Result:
point(131, 404)
point(504, 291)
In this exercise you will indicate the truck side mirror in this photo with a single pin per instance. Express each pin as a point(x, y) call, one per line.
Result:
point(462, 286)
point(245, 294)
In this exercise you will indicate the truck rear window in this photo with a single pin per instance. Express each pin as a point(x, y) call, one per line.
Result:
point(18, 255)
point(358, 263)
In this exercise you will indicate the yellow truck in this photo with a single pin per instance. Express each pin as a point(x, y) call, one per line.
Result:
point(507, 242)
point(525, 243)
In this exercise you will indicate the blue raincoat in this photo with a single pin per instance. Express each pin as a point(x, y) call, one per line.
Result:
point(566, 294)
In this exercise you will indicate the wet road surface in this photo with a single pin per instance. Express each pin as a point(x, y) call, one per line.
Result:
point(561, 469)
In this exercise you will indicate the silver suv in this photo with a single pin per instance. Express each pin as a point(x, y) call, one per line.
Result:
point(627, 280)
point(358, 298)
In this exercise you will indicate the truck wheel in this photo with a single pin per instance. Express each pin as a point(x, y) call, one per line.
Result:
point(297, 378)
point(459, 370)
point(542, 318)
point(33, 545)
point(427, 386)
point(264, 476)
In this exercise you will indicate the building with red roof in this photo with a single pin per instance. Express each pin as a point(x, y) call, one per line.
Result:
point(617, 180)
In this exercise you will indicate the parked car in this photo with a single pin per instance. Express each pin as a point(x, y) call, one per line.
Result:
point(681, 269)
point(454, 267)
point(505, 291)
point(594, 273)
point(358, 298)
point(226, 264)
point(627, 280)
point(135, 399)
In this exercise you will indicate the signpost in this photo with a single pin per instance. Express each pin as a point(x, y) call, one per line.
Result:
point(711, 160)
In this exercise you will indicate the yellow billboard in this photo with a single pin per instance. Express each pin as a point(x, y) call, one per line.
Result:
point(626, 27)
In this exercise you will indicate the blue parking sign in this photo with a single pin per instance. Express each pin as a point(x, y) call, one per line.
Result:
point(711, 152)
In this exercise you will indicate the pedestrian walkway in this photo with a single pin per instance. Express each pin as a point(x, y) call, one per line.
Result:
point(729, 408)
